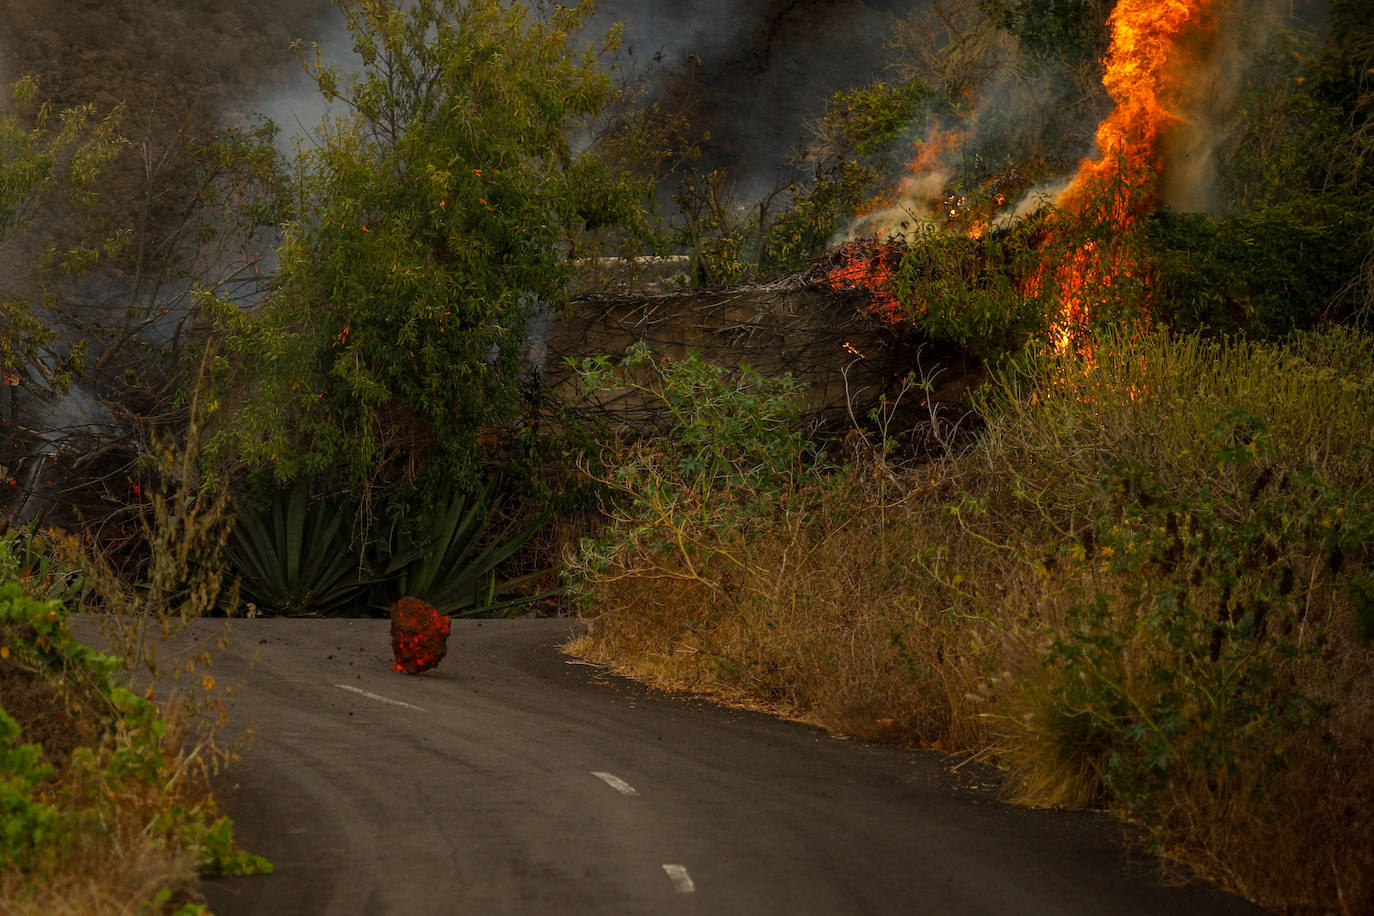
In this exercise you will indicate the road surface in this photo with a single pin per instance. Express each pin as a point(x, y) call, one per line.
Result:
point(514, 780)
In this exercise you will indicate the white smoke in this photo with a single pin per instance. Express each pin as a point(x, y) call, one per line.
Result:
point(295, 105)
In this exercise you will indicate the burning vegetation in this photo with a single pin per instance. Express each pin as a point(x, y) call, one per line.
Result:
point(1092, 262)
point(1153, 47)
point(1113, 574)
point(1143, 527)
point(869, 266)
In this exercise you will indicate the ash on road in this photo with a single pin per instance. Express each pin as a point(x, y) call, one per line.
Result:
point(512, 779)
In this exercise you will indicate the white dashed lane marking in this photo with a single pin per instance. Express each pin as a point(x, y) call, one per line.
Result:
point(682, 882)
point(615, 782)
point(379, 698)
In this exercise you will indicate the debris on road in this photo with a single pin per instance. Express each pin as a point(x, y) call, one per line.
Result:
point(419, 635)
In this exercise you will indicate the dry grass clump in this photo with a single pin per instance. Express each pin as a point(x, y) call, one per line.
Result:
point(1149, 586)
point(813, 615)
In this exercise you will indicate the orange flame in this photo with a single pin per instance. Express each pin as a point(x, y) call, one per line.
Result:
point(1144, 74)
point(868, 265)
point(1152, 45)
point(919, 193)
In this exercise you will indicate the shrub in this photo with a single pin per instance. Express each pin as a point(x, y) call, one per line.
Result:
point(975, 292)
point(1269, 271)
point(97, 797)
point(428, 224)
point(1146, 587)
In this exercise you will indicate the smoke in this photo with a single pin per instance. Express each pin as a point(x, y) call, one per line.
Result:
point(1039, 121)
point(758, 72)
point(1008, 113)
point(1247, 30)
point(294, 104)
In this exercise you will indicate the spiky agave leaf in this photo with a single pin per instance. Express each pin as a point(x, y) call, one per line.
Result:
point(454, 570)
point(292, 557)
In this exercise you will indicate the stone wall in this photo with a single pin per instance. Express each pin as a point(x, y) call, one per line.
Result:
point(798, 326)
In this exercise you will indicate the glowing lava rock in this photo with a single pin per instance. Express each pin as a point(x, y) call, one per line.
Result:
point(419, 635)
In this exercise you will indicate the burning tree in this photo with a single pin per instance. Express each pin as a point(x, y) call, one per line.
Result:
point(1150, 52)
point(1090, 263)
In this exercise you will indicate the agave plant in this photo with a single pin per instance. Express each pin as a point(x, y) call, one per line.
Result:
point(452, 565)
point(293, 557)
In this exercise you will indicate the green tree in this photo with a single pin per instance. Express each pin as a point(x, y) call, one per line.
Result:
point(430, 218)
point(1069, 31)
point(48, 158)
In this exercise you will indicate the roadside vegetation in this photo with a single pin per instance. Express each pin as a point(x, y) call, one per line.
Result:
point(1132, 570)
point(1138, 575)
point(106, 759)
point(1145, 586)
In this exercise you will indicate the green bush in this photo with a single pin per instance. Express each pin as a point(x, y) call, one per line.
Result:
point(452, 564)
point(975, 292)
point(1206, 512)
point(294, 557)
point(724, 431)
point(428, 223)
point(1269, 271)
point(30, 826)
point(728, 451)
point(111, 770)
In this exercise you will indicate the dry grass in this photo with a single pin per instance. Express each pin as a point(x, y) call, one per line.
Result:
point(1127, 595)
point(119, 864)
point(118, 852)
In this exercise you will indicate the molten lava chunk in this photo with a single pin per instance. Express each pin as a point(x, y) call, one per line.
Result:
point(419, 635)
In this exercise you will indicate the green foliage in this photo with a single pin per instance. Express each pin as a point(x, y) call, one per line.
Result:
point(213, 836)
point(854, 147)
point(1300, 125)
point(728, 431)
point(713, 229)
point(974, 292)
point(1196, 671)
point(863, 123)
point(728, 455)
point(1211, 507)
point(1266, 271)
point(452, 566)
point(428, 222)
point(38, 639)
point(29, 824)
point(294, 558)
point(53, 803)
point(46, 157)
point(1069, 30)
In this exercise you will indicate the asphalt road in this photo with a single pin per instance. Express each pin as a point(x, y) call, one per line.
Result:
point(513, 780)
